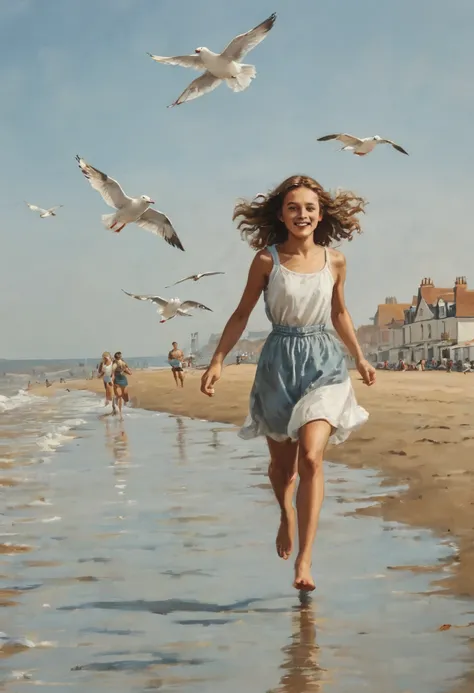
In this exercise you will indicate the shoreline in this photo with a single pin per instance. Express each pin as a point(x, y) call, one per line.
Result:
point(420, 436)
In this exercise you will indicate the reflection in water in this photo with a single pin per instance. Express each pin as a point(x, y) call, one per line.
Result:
point(117, 441)
point(216, 443)
point(181, 440)
point(302, 673)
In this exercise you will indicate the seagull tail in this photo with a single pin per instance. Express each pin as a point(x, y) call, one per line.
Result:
point(242, 80)
point(108, 220)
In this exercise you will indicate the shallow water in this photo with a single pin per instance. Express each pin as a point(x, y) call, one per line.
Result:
point(139, 556)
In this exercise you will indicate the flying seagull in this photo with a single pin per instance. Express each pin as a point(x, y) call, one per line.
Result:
point(194, 277)
point(360, 146)
point(130, 209)
point(168, 309)
point(44, 212)
point(220, 66)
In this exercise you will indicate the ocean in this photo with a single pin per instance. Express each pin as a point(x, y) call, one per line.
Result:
point(16, 373)
point(139, 556)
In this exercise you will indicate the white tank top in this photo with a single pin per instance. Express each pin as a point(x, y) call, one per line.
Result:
point(107, 370)
point(296, 299)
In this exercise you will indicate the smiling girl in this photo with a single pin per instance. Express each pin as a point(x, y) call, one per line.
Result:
point(302, 396)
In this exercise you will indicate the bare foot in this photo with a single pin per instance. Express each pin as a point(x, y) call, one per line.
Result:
point(286, 534)
point(303, 578)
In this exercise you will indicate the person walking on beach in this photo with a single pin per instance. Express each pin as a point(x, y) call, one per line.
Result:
point(175, 359)
point(302, 396)
point(120, 371)
point(105, 371)
point(466, 367)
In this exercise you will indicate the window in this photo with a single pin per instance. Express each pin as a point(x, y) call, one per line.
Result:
point(429, 331)
point(422, 331)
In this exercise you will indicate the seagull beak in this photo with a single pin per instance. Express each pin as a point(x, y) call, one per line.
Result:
point(152, 202)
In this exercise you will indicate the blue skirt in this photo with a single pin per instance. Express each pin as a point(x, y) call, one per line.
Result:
point(301, 376)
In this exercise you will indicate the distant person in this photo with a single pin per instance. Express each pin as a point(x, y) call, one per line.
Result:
point(466, 367)
point(175, 359)
point(120, 371)
point(105, 371)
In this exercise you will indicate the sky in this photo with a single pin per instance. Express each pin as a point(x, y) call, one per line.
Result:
point(75, 79)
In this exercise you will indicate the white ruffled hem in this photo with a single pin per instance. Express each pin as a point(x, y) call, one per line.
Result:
point(335, 404)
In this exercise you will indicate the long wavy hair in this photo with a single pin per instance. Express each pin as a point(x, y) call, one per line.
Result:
point(260, 225)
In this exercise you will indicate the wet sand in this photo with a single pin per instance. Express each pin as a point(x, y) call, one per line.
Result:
point(420, 434)
point(140, 556)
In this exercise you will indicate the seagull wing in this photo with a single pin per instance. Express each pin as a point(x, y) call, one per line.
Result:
point(188, 305)
point(110, 190)
point(52, 209)
point(159, 224)
point(394, 145)
point(200, 86)
point(35, 208)
point(347, 140)
point(142, 297)
point(183, 313)
point(193, 61)
point(209, 274)
point(242, 44)
point(192, 276)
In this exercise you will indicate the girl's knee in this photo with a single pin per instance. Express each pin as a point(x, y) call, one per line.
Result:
point(285, 469)
point(310, 463)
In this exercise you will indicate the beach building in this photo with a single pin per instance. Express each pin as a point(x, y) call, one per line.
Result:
point(258, 335)
point(377, 337)
point(438, 324)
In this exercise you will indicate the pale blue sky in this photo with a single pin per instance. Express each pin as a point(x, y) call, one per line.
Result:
point(75, 78)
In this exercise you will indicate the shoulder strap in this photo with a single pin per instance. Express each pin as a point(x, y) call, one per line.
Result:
point(327, 257)
point(274, 253)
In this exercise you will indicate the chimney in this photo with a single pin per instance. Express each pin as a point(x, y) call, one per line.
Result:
point(460, 285)
point(390, 300)
point(426, 281)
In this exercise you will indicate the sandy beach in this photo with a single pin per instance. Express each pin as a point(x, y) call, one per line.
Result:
point(420, 434)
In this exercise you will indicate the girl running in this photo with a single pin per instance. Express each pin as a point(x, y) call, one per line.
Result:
point(106, 373)
point(302, 396)
point(121, 370)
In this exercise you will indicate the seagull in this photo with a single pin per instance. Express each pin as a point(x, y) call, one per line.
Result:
point(220, 66)
point(44, 212)
point(195, 277)
point(168, 309)
point(130, 209)
point(360, 146)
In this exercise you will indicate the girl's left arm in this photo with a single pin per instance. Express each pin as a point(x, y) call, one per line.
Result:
point(342, 320)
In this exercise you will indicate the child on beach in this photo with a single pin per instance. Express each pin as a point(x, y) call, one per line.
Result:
point(120, 371)
point(302, 396)
point(105, 372)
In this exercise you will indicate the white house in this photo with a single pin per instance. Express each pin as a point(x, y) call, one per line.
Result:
point(441, 324)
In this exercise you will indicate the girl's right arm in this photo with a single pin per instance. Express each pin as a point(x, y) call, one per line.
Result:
point(257, 279)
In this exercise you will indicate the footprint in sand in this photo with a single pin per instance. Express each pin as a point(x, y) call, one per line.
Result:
point(435, 442)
